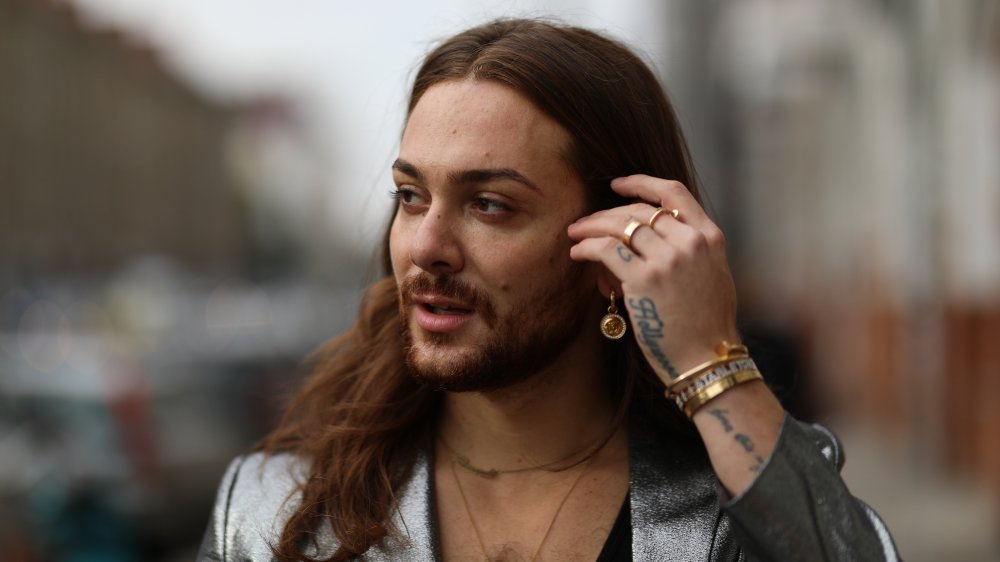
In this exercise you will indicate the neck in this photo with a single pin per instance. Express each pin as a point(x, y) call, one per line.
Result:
point(549, 418)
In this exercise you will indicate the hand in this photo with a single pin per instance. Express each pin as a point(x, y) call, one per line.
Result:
point(675, 278)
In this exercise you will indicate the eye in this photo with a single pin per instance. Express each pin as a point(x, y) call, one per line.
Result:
point(406, 195)
point(490, 206)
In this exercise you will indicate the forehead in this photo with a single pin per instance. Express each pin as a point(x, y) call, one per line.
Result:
point(471, 124)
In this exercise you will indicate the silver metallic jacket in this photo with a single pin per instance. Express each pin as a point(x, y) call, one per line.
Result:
point(797, 509)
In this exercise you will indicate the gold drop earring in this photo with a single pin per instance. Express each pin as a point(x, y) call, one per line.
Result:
point(613, 326)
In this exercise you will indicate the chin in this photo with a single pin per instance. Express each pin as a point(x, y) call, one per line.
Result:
point(448, 368)
point(492, 366)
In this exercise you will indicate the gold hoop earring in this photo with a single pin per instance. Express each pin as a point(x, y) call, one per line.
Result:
point(613, 326)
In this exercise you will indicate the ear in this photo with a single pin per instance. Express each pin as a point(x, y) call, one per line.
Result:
point(606, 281)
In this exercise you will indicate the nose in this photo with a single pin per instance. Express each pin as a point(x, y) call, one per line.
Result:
point(435, 247)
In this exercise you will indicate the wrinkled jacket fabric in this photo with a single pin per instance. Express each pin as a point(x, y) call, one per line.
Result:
point(797, 508)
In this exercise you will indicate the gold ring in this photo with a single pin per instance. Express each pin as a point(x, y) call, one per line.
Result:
point(672, 212)
point(630, 229)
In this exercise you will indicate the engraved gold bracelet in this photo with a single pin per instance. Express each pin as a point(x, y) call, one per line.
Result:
point(716, 389)
point(730, 367)
point(725, 352)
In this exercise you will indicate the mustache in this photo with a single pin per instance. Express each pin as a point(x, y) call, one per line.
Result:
point(446, 285)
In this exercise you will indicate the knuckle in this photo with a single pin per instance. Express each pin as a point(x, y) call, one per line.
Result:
point(676, 185)
point(698, 242)
point(659, 271)
point(651, 277)
point(715, 237)
point(636, 210)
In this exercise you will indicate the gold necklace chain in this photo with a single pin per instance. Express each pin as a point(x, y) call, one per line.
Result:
point(552, 522)
point(464, 462)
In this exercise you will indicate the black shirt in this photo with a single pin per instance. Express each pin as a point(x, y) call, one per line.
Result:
point(618, 547)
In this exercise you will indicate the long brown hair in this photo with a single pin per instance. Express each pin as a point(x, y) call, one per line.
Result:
point(360, 420)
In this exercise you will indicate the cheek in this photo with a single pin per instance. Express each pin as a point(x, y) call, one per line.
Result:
point(397, 249)
point(529, 267)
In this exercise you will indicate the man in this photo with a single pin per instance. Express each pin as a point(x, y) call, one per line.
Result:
point(485, 405)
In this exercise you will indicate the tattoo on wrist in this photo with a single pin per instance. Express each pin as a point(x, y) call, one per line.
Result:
point(624, 253)
point(721, 416)
point(644, 314)
point(744, 440)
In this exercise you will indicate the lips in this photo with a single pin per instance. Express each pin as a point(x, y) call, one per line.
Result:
point(440, 314)
point(446, 310)
point(441, 304)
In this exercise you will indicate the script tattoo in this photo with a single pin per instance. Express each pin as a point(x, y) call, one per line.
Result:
point(721, 415)
point(743, 440)
point(651, 331)
point(624, 254)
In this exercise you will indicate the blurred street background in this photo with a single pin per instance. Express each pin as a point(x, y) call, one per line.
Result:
point(191, 192)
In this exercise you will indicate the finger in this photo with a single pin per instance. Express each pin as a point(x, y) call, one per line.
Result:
point(621, 261)
point(663, 212)
point(686, 237)
point(662, 193)
point(645, 240)
point(639, 211)
point(609, 223)
point(673, 195)
point(652, 241)
point(635, 235)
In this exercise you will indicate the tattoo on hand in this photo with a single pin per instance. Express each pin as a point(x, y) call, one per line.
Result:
point(624, 254)
point(651, 331)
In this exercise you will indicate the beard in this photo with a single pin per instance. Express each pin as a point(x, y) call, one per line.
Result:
point(520, 343)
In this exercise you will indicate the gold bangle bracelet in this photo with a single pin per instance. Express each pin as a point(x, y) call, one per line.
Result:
point(725, 352)
point(726, 371)
point(717, 370)
point(716, 389)
point(691, 373)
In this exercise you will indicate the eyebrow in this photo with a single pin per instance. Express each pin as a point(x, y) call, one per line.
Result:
point(477, 175)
